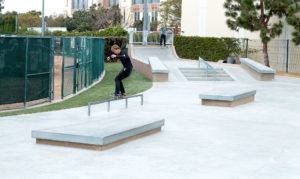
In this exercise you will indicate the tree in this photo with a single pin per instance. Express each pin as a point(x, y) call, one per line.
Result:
point(138, 25)
point(53, 21)
point(1, 7)
point(255, 15)
point(95, 18)
point(170, 12)
point(294, 20)
point(7, 22)
point(34, 13)
point(30, 19)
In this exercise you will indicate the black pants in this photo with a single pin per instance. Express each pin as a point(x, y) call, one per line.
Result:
point(163, 37)
point(124, 73)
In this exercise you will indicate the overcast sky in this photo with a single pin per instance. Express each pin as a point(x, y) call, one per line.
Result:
point(51, 6)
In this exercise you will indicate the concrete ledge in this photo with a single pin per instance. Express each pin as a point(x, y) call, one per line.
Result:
point(160, 72)
point(98, 135)
point(157, 66)
point(228, 99)
point(257, 70)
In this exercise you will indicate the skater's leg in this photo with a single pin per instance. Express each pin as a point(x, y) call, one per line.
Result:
point(119, 85)
point(122, 88)
point(164, 40)
point(161, 39)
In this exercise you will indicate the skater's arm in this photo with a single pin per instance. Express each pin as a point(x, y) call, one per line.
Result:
point(120, 56)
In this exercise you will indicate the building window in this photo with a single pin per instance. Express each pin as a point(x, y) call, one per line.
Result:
point(113, 3)
point(80, 4)
point(142, 1)
point(154, 16)
point(137, 16)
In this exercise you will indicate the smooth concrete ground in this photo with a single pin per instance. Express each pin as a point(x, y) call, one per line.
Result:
point(256, 140)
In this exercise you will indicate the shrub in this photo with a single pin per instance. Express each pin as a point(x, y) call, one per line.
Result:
point(7, 24)
point(208, 48)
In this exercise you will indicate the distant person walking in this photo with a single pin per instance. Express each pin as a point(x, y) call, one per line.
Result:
point(163, 30)
point(124, 73)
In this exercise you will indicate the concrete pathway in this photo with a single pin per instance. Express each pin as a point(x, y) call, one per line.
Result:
point(256, 140)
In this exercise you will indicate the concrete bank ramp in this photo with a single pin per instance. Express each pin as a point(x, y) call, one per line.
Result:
point(165, 55)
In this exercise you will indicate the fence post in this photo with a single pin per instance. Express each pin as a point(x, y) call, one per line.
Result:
point(63, 67)
point(247, 48)
point(75, 64)
point(287, 56)
point(26, 67)
point(52, 69)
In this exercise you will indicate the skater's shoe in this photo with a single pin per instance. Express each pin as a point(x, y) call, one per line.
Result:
point(123, 95)
point(115, 96)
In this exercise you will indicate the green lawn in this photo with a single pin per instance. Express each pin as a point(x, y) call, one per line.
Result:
point(135, 83)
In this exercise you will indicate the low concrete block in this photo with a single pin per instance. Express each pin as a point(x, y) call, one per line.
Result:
point(98, 135)
point(257, 70)
point(230, 98)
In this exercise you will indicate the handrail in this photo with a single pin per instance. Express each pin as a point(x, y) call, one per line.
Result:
point(108, 102)
point(144, 37)
point(208, 67)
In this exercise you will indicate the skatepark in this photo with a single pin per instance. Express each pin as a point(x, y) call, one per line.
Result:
point(259, 139)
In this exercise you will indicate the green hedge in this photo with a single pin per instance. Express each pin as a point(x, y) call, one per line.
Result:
point(208, 48)
point(116, 31)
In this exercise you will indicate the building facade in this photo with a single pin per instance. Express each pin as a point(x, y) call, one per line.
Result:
point(131, 10)
point(73, 5)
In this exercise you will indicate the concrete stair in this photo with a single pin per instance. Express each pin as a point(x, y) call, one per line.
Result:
point(196, 74)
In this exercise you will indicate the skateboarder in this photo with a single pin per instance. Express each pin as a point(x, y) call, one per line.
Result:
point(163, 35)
point(124, 73)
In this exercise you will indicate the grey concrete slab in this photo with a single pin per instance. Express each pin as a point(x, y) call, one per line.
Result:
point(257, 66)
point(227, 94)
point(99, 132)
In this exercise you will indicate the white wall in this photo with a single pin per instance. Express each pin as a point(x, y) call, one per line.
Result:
point(207, 18)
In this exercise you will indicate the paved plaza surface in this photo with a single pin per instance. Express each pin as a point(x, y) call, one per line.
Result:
point(256, 140)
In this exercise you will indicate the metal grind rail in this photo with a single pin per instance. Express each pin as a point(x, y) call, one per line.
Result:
point(108, 102)
point(208, 67)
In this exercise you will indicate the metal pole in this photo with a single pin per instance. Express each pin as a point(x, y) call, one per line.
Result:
point(43, 18)
point(16, 26)
point(287, 56)
point(51, 77)
point(26, 67)
point(108, 106)
point(246, 48)
point(63, 67)
point(75, 64)
point(142, 100)
point(145, 23)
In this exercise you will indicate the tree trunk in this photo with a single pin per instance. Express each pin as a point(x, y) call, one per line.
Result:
point(266, 56)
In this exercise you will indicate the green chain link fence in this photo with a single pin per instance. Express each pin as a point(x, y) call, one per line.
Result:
point(26, 71)
point(29, 73)
point(82, 63)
